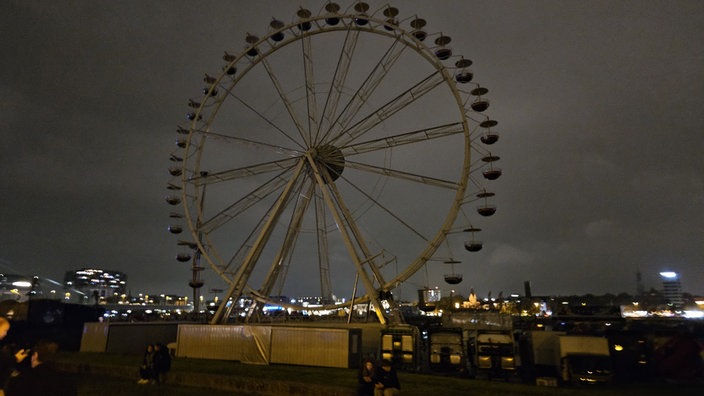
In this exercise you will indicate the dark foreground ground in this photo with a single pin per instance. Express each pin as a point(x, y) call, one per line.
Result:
point(110, 374)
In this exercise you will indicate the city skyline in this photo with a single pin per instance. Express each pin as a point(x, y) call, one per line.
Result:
point(108, 284)
point(597, 104)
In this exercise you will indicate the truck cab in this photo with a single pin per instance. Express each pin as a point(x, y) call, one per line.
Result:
point(447, 352)
point(571, 359)
point(494, 353)
point(585, 360)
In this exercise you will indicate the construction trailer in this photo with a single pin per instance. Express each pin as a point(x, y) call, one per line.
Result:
point(263, 344)
point(566, 359)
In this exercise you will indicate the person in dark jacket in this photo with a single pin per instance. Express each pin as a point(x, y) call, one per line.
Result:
point(162, 362)
point(366, 378)
point(146, 370)
point(386, 380)
point(10, 356)
point(42, 379)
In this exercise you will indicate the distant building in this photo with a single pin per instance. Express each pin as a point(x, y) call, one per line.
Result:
point(95, 284)
point(672, 287)
point(15, 287)
point(21, 288)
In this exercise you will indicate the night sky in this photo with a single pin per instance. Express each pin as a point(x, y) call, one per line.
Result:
point(598, 103)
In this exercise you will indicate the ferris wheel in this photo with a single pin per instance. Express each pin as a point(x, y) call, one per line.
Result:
point(331, 156)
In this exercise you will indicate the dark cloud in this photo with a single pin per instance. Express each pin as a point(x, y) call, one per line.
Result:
point(598, 106)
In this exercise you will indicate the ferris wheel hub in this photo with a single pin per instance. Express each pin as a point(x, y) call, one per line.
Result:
point(329, 159)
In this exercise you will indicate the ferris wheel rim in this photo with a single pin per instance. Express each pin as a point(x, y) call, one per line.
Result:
point(373, 25)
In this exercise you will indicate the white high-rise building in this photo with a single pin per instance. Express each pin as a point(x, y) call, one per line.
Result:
point(672, 287)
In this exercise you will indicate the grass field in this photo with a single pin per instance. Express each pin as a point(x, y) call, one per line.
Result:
point(345, 379)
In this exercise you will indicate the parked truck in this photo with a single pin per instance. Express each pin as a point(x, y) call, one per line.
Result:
point(568, 359)
point(493, 352)
point(401, 345)
point(447, 352)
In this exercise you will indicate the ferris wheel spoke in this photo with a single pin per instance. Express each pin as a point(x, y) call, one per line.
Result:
point(449, 184)
point(240, 206)
point(247, 171)
point(267, 120)
point(250, 143)
point(311, 100)
point(367, 88)
point(391, 213)
point(390, 108)
point(239, 255)
point(400, 139)
point(338, 83)
point(286, 102)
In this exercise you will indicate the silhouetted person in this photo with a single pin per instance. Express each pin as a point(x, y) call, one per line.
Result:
point(146, 370)
point(42, 379)
point(162, 362)
point(366, 378)
point(10, 356)
point(386, 380)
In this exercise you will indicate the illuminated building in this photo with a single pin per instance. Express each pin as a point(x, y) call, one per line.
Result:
point(96, 283)
point(672, 287)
